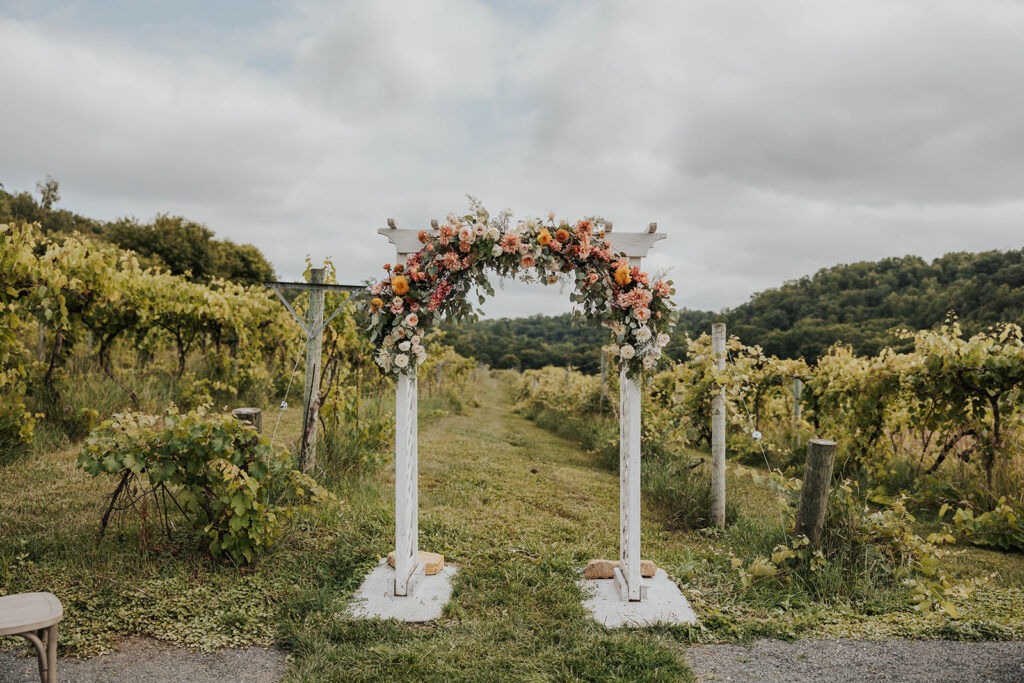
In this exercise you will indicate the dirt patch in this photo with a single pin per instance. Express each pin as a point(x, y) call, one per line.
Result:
point(149, 660)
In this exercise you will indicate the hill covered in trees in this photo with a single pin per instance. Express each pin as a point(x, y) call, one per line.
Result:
point(860, 304)
point(529, 343)
point(173, 243)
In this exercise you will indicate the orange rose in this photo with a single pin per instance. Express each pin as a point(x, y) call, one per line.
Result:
point(544, 237)
point(399, 268)
point(422, 236)
point(562, 235)
point(401, 284)
point(621, 275)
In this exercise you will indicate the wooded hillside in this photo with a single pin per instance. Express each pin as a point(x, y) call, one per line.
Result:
point(172, 243)
point(859, 304)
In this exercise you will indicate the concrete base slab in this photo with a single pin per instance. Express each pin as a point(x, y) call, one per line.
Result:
point(665, 603)
point(375, 599)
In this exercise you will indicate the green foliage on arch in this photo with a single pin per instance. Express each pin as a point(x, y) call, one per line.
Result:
point(436, 281)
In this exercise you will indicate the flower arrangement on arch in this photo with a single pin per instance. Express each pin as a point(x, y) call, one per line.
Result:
point(436, 281)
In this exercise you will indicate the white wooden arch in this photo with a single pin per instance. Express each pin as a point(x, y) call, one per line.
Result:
point(408, 570)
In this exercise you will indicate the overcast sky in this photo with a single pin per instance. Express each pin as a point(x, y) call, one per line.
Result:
point(767, 139)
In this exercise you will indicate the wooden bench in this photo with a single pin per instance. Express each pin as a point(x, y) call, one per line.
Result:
point(34, 616)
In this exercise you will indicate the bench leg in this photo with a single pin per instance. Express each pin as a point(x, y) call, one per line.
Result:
point(41, 655)
point(51, 654)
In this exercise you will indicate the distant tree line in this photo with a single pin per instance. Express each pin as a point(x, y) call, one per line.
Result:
point(530, 343)
point(173, 243)
point(861, 304)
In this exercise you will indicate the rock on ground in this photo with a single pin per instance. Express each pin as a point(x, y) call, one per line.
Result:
point(149, 660)
point(858, 660)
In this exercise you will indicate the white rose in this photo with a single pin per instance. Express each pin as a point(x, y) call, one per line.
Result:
point(453, 219)
point(663, 339)
point(492, 233)
point(496, 250)
point(415, 340)
point(479, 228)
point(618, 328)
point(401, 360)
point(643, 334)
point(388, 342)
point(649, 362)
point(626, 351)
point(404, 346)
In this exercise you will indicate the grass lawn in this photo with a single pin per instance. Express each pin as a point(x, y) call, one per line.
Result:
point(519, 509)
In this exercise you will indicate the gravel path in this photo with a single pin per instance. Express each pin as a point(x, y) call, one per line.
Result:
point(148, 660)
point(859, 660)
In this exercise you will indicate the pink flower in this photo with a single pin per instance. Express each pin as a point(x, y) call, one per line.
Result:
point(642, 314)
point(414, 306)
point(397, 308)
point(376, 288)
point(412, 320)
point(528, 261)
point(592, 278)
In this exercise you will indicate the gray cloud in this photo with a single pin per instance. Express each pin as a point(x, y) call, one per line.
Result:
point(767, 139)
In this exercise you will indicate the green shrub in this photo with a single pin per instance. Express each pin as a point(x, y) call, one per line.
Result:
point(219, 472)
point(681, 486)
point(1001, 528)
point(351, 447)
point(861, 553)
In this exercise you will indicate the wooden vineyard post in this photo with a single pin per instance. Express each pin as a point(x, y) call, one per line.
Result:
point(810, 517)
point(718, 430)
point(311, 388)
point(604, 380)
point(253, 416)
point(798, 390)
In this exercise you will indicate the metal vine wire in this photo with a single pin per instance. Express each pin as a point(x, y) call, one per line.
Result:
point(284, 401)
point(754, 433)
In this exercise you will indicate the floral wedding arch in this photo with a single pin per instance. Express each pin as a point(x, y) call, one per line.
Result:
point(440, 268)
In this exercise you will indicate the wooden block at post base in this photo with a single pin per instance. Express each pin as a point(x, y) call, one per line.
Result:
point(605, 569)
point(433, 562)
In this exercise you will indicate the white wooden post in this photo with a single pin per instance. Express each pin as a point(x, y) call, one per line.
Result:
point(406, 486)
point(630, 583)
point(311, 390)
point(718, 431)
point(629, 488)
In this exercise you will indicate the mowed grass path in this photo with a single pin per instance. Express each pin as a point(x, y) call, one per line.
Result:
point(520, 511)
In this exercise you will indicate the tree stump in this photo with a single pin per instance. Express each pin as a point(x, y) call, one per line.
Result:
point(810, 518)
point(253, 416)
